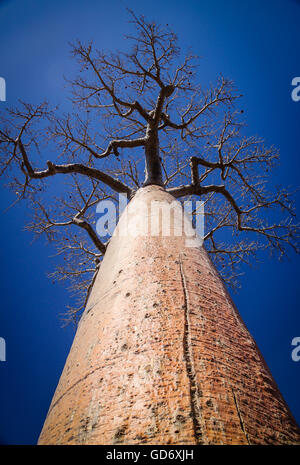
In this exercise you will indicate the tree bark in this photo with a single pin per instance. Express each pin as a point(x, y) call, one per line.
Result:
point(153, 172)
point(161, 355)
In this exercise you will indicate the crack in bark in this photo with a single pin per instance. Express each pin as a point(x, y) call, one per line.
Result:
point(240, 417)
point(188, 356)
point(72, 386)
point(91, 307)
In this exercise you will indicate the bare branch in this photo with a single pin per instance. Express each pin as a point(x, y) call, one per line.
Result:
point(146, 107)
point(53, 169)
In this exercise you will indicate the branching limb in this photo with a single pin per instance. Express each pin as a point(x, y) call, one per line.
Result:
point(146, 105)
point(84, 53)
point(93, 173)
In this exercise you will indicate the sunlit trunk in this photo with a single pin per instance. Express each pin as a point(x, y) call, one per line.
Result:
point(161, 355)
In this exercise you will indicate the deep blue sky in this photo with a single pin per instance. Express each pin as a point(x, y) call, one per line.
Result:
point(254, 43)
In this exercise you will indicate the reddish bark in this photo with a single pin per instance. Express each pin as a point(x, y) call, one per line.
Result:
point(161, 356)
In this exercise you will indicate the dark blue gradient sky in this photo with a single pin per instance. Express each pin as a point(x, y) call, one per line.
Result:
point(254, 43)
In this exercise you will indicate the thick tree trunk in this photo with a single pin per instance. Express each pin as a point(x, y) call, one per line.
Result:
point(161, 355)
point(153, 171)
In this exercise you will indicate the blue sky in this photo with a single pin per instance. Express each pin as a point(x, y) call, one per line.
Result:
point(254, 43)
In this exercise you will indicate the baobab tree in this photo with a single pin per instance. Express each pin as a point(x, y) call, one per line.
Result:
point(143, 126)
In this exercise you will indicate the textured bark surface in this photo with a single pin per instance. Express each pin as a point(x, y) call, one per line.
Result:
point(161, 355)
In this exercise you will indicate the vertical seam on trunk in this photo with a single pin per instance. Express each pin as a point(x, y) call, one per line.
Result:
point(240, 416)
point(188, 356)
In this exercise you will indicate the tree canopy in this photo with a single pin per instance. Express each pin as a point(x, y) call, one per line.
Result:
point(141, 117)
